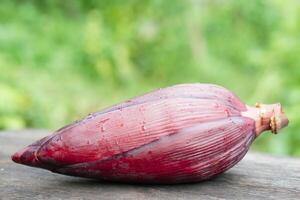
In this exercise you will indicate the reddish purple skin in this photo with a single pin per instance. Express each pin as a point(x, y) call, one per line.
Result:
point(185, 133)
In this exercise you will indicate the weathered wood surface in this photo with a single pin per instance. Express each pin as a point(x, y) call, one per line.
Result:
point(255, 177)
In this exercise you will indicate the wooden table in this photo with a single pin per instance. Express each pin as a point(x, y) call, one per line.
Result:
point(255, 177)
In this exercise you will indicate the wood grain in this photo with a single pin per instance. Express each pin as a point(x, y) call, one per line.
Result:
point(257, 176)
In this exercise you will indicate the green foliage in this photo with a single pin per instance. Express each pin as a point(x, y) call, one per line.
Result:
point(60, 60)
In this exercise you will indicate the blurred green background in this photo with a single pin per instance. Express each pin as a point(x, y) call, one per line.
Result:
point(60, 60)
